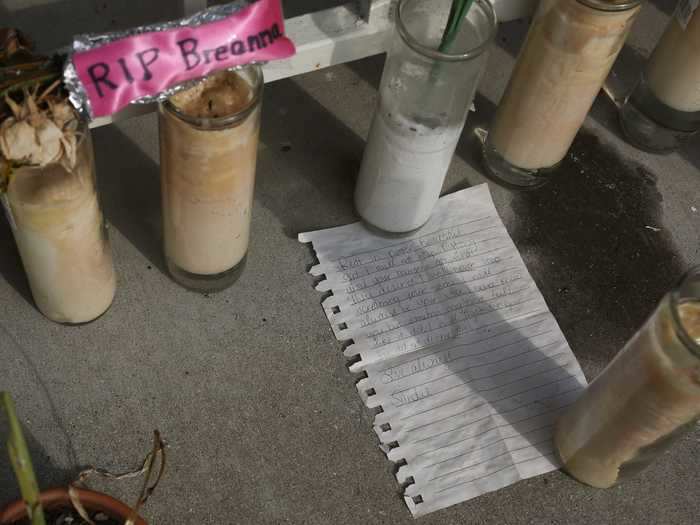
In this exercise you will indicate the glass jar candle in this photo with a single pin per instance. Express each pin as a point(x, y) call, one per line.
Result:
point(208, 150)
point(568, 53)
point(646, 397)
point(664, 108)
point(424, 98)
point(61, 236)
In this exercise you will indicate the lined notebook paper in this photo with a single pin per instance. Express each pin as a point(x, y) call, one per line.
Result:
point(462, 360)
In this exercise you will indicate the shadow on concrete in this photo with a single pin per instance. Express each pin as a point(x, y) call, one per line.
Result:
point(11, 267)
point(511, 35)
point(622, 78)
point(43, 464)
point(320, 155)
point(48, 474)
point(469, 145)
point(129, 182)
point(665, 6)
point(691, 151)
point(369, 69)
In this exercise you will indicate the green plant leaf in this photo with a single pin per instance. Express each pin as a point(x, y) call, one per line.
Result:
point(22, 463)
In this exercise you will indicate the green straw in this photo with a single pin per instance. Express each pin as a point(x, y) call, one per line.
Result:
point(458, 12)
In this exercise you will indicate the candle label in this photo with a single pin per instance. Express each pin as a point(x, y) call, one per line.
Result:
point(8, 211)
point(685, 11)
point(146, 64)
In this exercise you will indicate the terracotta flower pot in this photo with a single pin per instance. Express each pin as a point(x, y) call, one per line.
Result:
point(58, 498)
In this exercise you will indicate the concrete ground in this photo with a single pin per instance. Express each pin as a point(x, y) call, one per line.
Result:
point(250, 388)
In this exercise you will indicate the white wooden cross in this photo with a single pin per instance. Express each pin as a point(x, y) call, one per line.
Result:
point(333, 36)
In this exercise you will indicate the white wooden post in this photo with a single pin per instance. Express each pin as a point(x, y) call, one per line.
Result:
point(333, 36)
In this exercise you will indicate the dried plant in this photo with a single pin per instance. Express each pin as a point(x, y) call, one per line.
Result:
point(38, 126)
point(42, 130)
point(21, 68)
point(147, 470)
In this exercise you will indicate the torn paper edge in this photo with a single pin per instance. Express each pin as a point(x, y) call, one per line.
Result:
point(363, 386)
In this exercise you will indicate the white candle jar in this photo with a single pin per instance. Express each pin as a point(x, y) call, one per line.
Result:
point(647, 396)
point(208, 151)
point(59, 228)
point(664, 108)
point(424, 98)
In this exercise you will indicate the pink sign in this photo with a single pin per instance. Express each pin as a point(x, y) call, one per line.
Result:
point(141, 65)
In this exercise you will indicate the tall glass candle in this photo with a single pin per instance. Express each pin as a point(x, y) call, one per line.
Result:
point(208, 149)
point(646, 397)
point(568, 53)
point(61, 236)
point(424, 98)
point(664, 108)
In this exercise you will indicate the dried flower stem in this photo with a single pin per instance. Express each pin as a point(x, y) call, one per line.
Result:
point(147, 488)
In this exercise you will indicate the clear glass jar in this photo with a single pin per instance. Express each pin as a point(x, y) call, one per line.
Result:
point(207, 163)
point(664, 108)
point(568, 53)
point(646, 397)
point(424, 99)
point(61, 236)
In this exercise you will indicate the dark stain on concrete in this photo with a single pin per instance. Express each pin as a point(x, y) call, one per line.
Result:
point(590, 241)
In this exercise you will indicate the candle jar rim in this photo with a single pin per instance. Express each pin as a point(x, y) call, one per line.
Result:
point(610, 5)
point(435, 54)
point(225, 121)
point(687, 290)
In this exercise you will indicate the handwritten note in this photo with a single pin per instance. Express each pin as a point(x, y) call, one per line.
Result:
point(464, 364)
